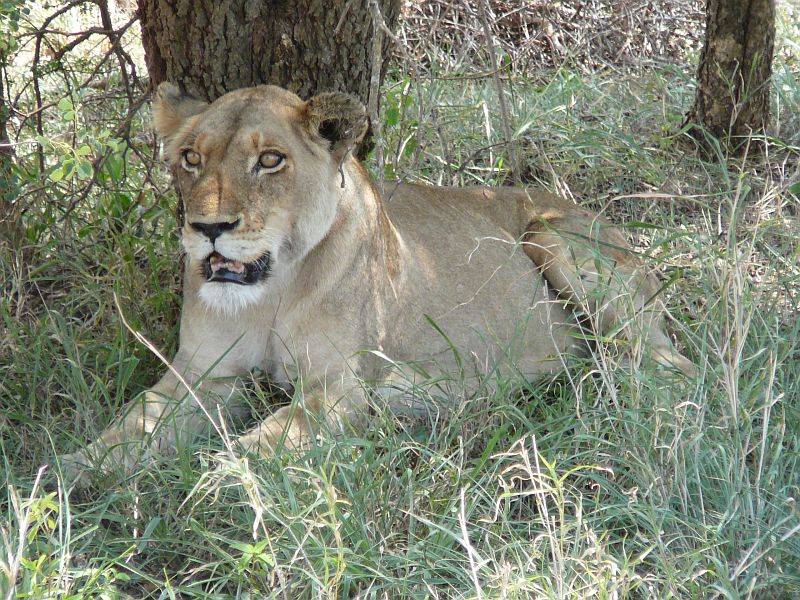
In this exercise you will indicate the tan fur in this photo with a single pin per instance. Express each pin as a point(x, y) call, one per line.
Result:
point(357, 279)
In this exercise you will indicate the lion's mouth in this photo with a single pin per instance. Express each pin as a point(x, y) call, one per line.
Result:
point(222, 269)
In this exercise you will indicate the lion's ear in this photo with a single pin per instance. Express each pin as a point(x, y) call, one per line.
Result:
point(171, 109)
point(338, 119)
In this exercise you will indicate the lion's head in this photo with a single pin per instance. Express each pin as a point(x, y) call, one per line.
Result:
point(257, 170)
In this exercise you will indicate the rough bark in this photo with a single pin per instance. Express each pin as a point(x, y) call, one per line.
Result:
point(210, 47)
point(733, 78)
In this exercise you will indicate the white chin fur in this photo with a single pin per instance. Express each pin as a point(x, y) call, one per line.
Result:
point(230, 298)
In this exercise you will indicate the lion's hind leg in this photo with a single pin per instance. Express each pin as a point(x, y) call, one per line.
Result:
point(590, 264)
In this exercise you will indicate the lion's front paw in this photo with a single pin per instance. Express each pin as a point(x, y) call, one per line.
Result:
point(96, 462)
point(73, 470)
point(284, 429)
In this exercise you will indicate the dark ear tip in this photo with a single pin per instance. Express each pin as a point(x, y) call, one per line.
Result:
point(329, 130)
point(338, 118)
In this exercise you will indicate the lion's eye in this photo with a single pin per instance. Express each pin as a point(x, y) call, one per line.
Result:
point(271, 161)
point(191, 159)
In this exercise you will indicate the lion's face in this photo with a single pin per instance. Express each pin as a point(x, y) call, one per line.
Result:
point(257, 171)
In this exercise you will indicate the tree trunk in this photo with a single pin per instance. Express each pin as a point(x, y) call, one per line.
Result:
point(210, 47)
point(733, 79)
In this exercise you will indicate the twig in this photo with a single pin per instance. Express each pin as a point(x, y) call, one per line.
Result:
point(462, 167)
point(340, 22)
point(498, 85)
point(115, 38)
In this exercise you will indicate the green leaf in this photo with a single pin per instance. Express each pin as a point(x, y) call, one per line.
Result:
point(392, 116)
point(113, 166)
point(148, 533)
point(411, 145)
point(84, 169)
point(68, 167)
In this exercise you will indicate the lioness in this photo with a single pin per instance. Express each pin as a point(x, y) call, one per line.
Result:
point(295, 264)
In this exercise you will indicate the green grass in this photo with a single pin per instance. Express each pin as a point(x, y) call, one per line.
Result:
point(610, 481)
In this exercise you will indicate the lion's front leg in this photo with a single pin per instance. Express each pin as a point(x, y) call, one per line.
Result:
point(159, 420)
point(213, 353)
point(293, 427)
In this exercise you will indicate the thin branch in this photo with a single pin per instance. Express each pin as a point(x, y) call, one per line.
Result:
point(498, 85)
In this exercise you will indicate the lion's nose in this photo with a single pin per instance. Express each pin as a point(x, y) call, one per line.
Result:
point(213, 230)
